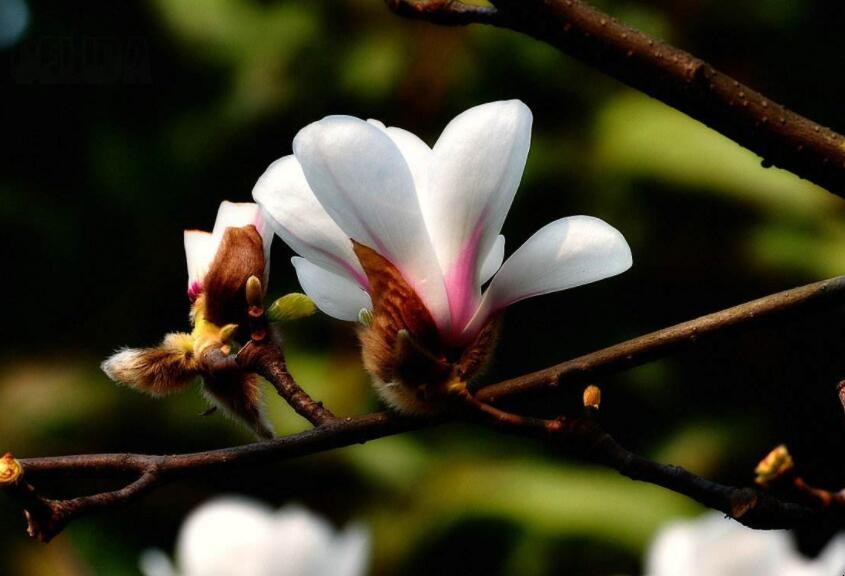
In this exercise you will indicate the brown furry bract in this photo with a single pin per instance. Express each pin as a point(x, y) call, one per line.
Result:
point(402, 348)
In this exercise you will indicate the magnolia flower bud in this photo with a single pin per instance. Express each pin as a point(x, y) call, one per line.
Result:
point(239, 257)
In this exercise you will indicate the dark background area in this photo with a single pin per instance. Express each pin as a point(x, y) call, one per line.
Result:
point(127, 122)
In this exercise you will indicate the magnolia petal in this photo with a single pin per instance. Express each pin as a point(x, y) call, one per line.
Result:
point(476, 167)
point(417, 155)
point(238, 215)
point(221, 538)
point(154, 562)
point(493, 261)
point(200, 248)
point(335, 295)
point(299, 219)
point(563, 254)
point(363, 181)
point(713, 544)
point(351, 552)
point(312, 547)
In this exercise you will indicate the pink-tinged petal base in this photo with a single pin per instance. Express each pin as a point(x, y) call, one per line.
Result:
point(462, 287)
point(194, 290)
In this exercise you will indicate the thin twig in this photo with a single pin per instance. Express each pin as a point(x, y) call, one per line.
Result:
point(749, 506)
point(781, 137)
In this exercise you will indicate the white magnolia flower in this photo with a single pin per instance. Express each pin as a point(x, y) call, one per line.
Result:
point(239, 537)
point(714, 545)
point(435, 215)
point(202, 247)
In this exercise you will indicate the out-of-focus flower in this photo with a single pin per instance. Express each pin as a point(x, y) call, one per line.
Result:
point(714, 545)
point(425, 226)
point(219, 265)
point(239, 537)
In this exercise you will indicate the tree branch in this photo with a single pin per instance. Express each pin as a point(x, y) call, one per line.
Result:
point(47, 517)
point(651, 346)
point(781, 137)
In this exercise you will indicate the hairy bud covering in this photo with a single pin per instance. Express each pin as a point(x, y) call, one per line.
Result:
point(402, 347)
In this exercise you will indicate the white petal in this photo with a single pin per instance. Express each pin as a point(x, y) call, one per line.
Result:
point(335, 295)
point(713, 544)
point(200, 249)
point(417, 155)
point(832, 557)
point(299, 219)
point(237, 215)
point(240, 214)
point(351, 552)
point(220, 538)
point(476, 167)
point(365, 184)
point(563, 254)
point(493, 261)
point(154, 562)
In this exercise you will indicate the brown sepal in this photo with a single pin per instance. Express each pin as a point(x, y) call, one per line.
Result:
point(477, 355)
point(395, 307)
point(402, 347)
point(240, 255)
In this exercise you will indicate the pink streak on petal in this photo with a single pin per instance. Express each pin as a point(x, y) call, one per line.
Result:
point(462, 288)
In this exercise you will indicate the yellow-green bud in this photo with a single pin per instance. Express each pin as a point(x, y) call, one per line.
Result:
point(291, 307)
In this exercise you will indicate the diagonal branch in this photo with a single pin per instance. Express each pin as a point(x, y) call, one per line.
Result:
point(654, 345)
point(47, 517)
point(781, 137)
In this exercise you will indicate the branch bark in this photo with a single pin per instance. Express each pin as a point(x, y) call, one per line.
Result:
point(778, 135)
point(47, 517)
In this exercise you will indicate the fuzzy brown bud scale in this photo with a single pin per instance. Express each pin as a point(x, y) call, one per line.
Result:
point(239, 257)
point(402, 347)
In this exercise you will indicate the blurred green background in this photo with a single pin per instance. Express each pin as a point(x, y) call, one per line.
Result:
point(126, 122)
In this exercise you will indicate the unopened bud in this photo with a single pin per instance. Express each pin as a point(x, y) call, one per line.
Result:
point(592, 397)
point(777, 464)
point(291, 307)
point(10, 470)
point(254, 292)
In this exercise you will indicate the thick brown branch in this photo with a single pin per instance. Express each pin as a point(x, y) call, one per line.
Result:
point(153, 470)
point(660, 343)
point(689, 84)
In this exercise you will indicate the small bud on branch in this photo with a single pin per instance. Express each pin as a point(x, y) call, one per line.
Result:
point(775, 466)
point(10, 470)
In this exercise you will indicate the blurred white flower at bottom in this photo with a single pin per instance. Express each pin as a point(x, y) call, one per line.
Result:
point(240, 537)
point(713, 545)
